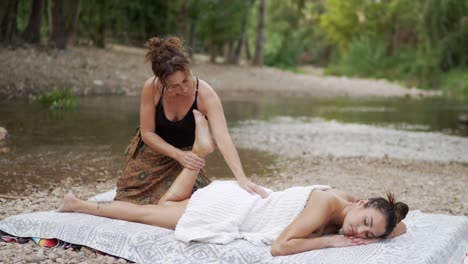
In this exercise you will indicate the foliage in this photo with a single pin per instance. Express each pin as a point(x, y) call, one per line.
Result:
point(23, 14)
point(420, 42)
point(284, 46)
point(455, 83)
point(365, 57)
point(444, 27)
point(415, 41)
point(220, 22)
point(58, 99)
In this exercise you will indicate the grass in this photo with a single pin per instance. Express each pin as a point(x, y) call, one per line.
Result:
point(58, 99)
point(455, 83)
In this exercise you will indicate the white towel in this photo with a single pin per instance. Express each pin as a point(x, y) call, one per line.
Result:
point(223, 212)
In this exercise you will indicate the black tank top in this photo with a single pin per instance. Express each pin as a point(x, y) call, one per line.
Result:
point(179, 133)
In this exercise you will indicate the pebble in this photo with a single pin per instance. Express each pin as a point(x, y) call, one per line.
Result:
point(3, 133)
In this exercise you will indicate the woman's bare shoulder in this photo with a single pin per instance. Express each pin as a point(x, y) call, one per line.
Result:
point(204, 88)
point(343, 195)
point(207, 97)
point(151, 89)
point(324, 197)
point(151, 82)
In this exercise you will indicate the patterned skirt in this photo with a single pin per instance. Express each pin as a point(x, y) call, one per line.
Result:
point(148, 174)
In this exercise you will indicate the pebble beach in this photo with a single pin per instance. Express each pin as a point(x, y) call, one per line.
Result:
point(427, 170)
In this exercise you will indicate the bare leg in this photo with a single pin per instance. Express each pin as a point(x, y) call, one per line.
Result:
point(159, 215)
point(172, 205)
point(182, 187)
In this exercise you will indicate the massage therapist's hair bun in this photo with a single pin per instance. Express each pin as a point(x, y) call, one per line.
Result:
point(155, 46)
point(167, 56)
point(163, 48)
point(401, 210)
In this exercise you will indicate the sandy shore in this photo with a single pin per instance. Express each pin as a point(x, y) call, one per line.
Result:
point(429, 171)
point(121, 70)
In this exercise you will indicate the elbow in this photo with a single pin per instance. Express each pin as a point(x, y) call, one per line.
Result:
point(144, 136)
point(278, 249)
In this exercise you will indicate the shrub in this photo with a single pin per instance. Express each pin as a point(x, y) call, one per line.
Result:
point(58, 99)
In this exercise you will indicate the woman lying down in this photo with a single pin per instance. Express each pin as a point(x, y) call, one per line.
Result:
point(295, 220)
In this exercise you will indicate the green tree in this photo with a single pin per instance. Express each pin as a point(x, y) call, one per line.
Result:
point(444, 28)
point(32, 33)
point(64, 20)
point(8, 25)
point(258, 55)
point(219, 23)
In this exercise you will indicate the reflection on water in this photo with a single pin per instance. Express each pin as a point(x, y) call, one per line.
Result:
point(88, 144)
point(427, 114)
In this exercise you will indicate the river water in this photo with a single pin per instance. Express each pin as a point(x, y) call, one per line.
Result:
point(87, 144)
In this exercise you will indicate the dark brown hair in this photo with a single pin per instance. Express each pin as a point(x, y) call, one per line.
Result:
point(394, 211)
point(167, 56)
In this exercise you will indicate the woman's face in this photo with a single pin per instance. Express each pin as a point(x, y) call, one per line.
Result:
point(179, 83)
point(364, 222)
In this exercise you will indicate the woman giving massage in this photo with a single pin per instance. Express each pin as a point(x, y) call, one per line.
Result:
point(324, 211)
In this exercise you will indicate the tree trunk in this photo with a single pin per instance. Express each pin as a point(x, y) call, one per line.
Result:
point(248, 53)
point(75, 14)
point(32, 33)
point(183, 21)
point(48, 7)
point(59, 37)
point(62, 28)
point(101, 25)
point(213, 53)
point(8, 26)
point(258, 57)
point(192, 39)
point(241, 43)
point(229, 52)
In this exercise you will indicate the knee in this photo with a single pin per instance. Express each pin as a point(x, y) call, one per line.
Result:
point(163, 202)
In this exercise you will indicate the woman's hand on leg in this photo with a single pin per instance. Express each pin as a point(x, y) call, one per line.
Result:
point(191, 161)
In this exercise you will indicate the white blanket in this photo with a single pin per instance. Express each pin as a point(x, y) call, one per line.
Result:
point(431, 239)
point(223, 212)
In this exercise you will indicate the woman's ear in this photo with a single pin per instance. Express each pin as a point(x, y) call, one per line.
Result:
point(363, 202)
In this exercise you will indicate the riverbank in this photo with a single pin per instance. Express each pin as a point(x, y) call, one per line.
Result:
point(360, 159)
point(428, 177)
point(121, 70)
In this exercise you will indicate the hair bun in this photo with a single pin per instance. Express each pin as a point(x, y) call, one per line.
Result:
point(155, 47)
point(174, 42)
point(167, 55)
point(401, 210)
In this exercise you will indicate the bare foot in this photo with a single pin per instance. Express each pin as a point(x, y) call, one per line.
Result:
point(203, 144)
point(68, 203)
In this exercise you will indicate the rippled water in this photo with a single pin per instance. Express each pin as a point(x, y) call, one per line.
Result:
point(88, 144)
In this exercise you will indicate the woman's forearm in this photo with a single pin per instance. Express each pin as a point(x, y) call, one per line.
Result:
point(400, 229)
point(299, 245)
point(156, 143)
point(231, 156)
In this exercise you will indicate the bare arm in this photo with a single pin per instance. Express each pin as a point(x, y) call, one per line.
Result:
point(296, 237)
point(400, 229)
point(213, 109)
point(149, 97)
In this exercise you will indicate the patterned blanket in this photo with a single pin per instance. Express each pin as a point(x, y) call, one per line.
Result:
point(431, 238)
